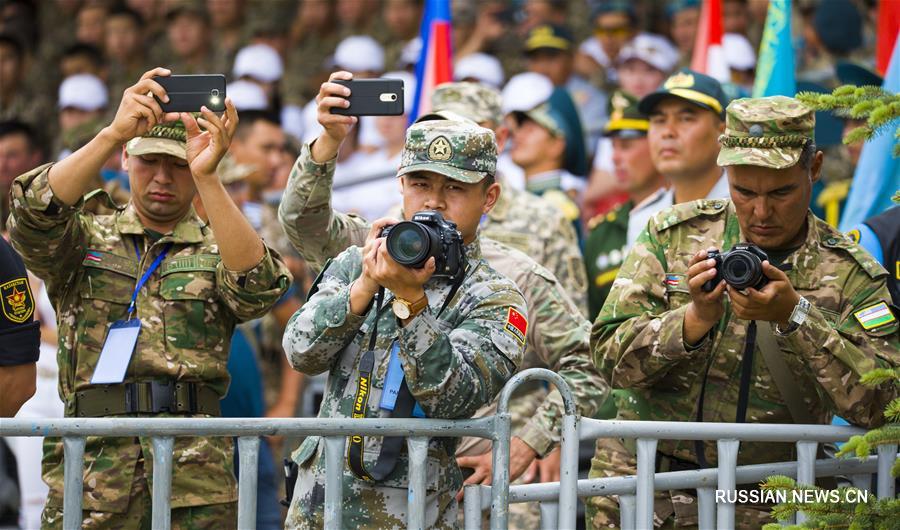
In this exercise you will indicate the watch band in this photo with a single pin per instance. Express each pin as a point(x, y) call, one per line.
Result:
point(414, 307)
point(797, 318)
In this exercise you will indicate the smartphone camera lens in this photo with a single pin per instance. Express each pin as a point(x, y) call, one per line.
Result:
point(215, 92)
point(393, 97)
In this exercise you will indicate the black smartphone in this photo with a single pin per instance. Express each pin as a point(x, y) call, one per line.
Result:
point(187, 93)
point(373, 97)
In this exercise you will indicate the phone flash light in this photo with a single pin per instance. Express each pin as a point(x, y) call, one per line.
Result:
point(215, 100)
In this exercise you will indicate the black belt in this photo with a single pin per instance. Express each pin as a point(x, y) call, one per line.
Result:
point(147, 397)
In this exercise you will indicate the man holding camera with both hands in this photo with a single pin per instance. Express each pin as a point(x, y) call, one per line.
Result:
point(776, 330)
point(413, 324)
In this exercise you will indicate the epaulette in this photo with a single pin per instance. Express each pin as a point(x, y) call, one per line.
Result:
point(835, 239)
point(595, 220)
point(105, 199)
point(683, 212)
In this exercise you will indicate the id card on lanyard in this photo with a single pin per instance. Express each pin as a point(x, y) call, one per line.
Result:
point(122, 336)
point(392, 381)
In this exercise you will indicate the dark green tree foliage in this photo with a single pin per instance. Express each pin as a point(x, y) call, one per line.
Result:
point(876, 106)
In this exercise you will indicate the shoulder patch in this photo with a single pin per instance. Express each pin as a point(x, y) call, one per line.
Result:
point(16, 300)
point(874, 316)
point(516, 324)
point(865, 260)
point(680, 213)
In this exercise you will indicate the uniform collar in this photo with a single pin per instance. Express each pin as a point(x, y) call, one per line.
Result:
point(548, 180)
point(188, 230)
point(473, 251)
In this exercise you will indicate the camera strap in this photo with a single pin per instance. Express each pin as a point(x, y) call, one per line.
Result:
point(743, 390)
point(391, 445)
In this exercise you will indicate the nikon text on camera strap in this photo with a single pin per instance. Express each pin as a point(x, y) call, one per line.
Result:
point(391, 446)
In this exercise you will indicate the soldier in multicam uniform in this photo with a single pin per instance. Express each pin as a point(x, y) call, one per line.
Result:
point(458, 342)
point(826, 319)
point(557, 335)
point(199, 281)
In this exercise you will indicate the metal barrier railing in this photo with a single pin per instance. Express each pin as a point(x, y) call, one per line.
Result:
point(162, 432)
point(636, 492)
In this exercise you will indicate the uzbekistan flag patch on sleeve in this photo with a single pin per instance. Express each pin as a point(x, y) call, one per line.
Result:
point(516, 324)
point(874, 316)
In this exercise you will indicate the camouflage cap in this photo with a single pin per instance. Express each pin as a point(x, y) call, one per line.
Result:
point(230, 171)
point(767, 132)
point(477, 102)
point(460, 150)
point(166, 139)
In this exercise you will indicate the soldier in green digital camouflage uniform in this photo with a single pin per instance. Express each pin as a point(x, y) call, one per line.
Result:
point(826, 319)
point(208, 278)
point(454, 360)
point(519, 219)
point(557, 333)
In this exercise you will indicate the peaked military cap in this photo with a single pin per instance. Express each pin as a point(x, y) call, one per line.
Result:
point(460, 150)
point(767, 132)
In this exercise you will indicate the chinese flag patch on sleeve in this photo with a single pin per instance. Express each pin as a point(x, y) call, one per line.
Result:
point(516, 324)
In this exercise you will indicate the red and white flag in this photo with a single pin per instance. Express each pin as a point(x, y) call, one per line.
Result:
point(709, 54)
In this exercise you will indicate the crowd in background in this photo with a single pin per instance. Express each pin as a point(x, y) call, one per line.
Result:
point(65, 63)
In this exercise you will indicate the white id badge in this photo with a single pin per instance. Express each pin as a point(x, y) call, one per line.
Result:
point(117, 351)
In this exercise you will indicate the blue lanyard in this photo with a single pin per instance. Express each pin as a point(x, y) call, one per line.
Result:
point(146, 275)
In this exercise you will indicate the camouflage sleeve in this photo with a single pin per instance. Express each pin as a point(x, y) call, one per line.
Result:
point(453, 372)
point(637, 339)
point(838, 355)
point(250, 294)
point(47, 233)
point(305, 212)
point(561, 337)
point(564, 259)
point(324, 325)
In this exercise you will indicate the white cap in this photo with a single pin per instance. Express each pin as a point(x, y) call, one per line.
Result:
point(481, 66)
point(738, 51)
point(260, 62)
point(409, 88)
point(409, 56)
point(525, 91)
point(83, 92)
point(654, 50)
point(247, 95)
point(359, 53)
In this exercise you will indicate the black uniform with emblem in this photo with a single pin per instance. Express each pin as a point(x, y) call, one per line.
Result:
point(20, 334)
point(606, 245)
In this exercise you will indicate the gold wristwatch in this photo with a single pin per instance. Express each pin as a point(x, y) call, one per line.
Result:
point(404, 309)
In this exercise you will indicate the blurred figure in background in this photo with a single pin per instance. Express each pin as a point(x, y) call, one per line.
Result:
point(684, 19)
point(189, 49)
point(550, 52)
point(82, 103)
point(90, 24)
point(20, 151)
point(260, 64)
point(125, 50)
point(643, 65)
point(615, 23)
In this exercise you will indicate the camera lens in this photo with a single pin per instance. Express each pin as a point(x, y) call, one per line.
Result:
point(409, 244)
point(215, 92)
point(742, 269)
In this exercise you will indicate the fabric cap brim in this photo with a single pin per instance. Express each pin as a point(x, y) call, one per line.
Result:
point(163, 146)
point(700, 99)
point(775, 158)
point(463, 175)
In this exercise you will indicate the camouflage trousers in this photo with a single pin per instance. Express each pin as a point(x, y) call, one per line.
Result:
point(138, 514)
point(672, 509)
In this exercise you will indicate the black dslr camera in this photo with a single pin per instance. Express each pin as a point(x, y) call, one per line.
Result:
point(411, 243)
point(740, 267)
